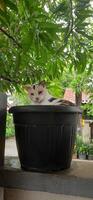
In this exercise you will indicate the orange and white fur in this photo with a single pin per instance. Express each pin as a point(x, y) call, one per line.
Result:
point(40, 96)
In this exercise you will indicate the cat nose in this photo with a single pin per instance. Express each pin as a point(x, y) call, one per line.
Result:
point(37, 98)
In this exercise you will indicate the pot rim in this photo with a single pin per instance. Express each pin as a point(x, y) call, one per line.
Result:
point(45, 108)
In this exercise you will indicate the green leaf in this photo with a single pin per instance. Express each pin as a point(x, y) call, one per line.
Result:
point(90, 68)
point(90, 37)
point(11, 5)
point(4, 18)
point(2, 5)
point(28, 38)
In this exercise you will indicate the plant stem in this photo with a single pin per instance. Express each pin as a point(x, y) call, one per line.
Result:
point(11, 37)
point(8, 79)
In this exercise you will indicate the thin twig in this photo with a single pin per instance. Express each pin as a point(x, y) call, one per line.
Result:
point(11, 37)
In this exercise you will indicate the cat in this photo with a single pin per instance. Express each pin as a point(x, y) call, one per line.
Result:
point(39, 95)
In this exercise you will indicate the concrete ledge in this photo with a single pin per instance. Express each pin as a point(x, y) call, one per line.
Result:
point(77, 181)
point(16, 194)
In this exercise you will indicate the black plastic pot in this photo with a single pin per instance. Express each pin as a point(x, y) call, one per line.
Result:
point(3, 112)
point(45, 136)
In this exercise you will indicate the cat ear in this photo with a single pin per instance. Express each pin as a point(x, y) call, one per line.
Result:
point(43, 83)
point(27, 87)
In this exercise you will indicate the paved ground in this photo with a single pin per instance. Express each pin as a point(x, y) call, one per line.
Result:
point(10, 147)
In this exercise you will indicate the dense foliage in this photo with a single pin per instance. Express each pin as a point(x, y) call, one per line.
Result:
point(39, 39)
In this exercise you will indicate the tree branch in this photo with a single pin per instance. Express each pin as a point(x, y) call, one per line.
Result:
point(11, 37)
point(8, 79)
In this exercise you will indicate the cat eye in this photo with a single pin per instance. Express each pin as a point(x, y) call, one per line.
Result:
point(40, 92)
point(32, 94)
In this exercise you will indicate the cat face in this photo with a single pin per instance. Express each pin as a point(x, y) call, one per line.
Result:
point(37, 92)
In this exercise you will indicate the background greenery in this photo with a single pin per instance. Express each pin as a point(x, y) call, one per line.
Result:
point(9, 126)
